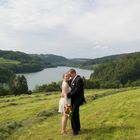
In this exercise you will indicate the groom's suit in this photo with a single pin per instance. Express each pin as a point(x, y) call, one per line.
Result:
point(77, 99)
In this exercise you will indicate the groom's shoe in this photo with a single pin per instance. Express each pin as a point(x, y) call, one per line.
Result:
point(75, 133)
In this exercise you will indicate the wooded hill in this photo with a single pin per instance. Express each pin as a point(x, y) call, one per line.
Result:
point(20, 62)
point(26, 62)
point(123, 71)
point(118, 70)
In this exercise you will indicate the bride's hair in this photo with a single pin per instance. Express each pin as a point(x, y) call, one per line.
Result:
point(66, 73)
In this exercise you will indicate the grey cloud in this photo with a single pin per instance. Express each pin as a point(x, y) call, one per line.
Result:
point(72, 28)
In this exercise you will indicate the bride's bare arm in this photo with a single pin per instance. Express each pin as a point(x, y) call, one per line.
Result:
point(65, 93)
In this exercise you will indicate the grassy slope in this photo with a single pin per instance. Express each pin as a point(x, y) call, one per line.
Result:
point(113, 117)
point(8, 61)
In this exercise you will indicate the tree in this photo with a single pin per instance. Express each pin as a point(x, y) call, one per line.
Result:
point(5, 75)
point(48, 88)
point(23, 87)
point(19, 85)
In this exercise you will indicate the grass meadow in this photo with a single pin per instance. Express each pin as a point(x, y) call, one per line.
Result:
point(110, 114)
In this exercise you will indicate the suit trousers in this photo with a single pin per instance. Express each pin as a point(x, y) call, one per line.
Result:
point(75, 120)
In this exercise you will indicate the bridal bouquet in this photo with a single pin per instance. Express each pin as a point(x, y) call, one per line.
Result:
point(68, 109)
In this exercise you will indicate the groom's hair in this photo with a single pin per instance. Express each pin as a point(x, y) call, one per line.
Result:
point(72, 71)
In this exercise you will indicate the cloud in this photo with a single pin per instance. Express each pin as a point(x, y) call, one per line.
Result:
point(100, 46)
point(111, 22)
point(41, 13)
point(38, 26)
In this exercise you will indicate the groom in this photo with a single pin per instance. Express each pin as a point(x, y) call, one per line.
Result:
point(77, 98)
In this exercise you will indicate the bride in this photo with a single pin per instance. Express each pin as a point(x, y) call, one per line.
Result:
point(64, 101)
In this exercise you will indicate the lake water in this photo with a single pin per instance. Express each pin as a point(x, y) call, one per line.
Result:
point(51, 75)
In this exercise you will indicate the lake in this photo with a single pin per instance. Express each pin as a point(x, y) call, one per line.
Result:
point(49, 75)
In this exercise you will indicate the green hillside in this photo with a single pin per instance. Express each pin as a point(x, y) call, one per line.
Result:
point(54, 60)
point(107, 115)
point(123, 72)
point(8, 61)
point(107, 59)
point(26, 62)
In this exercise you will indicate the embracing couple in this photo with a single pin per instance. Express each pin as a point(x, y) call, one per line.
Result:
point(72, 95)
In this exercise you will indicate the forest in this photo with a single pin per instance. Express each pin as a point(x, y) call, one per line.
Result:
point(121, 72)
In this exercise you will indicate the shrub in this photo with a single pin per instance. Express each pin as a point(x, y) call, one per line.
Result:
point(48, 88)
point(110, 84)
point(3, 91)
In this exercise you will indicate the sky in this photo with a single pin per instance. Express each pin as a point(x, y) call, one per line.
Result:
point(70, 28)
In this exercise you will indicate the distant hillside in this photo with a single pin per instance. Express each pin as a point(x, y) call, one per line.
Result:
point(93, 63)
point(123, 71)
point(80, 60)
point(20, 62)
point(19, 56)
point(8, 61)
point(56, 60)
point(102, 60)
point(53, 60)
point(105, 59)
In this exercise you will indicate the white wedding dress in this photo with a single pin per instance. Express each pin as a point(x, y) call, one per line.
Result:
point(64, 100)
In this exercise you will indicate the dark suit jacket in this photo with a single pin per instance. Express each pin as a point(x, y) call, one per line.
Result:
point(77, 91)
